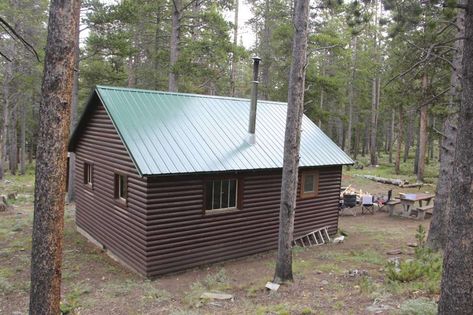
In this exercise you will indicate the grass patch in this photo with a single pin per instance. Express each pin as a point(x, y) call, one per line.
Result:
point(366, 285)
point(278, 309)
point(121, 288)
point(421, 306)
point(151, 293)
point(72, 299)
point(217, 282)
point(6, 287)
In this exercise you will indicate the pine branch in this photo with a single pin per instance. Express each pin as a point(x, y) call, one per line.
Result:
point(11, 31)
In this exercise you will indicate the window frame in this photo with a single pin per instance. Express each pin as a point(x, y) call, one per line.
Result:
point(123, 201)
point(88, 165)
point(238, 194)
point(310, 194)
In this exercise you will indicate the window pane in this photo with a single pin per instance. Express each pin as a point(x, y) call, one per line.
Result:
point(309, 181)
point(225, 187)
point(87, 173)
point(221, 194)
point(216, 194)
point(122, 186)
point(232, 197)
point(125, 188)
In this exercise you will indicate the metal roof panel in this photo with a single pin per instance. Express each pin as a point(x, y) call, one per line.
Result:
point(177, 133)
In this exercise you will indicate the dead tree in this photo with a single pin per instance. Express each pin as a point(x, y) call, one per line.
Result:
point(50, 182)
point(295, 109)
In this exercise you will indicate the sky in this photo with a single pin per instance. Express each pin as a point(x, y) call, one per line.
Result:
point(244, 31)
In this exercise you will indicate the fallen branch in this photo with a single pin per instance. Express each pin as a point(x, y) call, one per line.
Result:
point(391, 181)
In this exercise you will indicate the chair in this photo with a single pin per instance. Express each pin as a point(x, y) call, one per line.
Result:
point(349, 201)
point(367, 204)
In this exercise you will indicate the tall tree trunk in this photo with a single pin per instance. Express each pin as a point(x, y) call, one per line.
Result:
point(409, 136)
point(73, 123)
point(50, 180)
point(397, 164)
point(295, 109)
point(357, 143)
point(8, 71)
point(13, 138)
point(391, 136)
point(266, 52)
point(351, 94)
point(322, 71)
point(423, 136)
point(438, 226)
point(235, 43)
point(175, 45)
point(22, 138)
point(374, 125)
point(375, 94)
point(431, 139)
point(457, 278)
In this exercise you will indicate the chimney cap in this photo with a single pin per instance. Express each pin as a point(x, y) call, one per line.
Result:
point(256, 58)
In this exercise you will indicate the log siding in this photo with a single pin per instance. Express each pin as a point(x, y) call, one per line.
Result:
point(122, 231)
point(182, 236)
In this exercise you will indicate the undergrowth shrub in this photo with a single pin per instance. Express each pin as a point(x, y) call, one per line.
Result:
point(426, 266)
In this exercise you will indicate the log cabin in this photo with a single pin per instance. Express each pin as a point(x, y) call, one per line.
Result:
point(169, 181)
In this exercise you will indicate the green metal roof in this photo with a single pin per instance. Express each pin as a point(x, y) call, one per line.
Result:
point(174, 133)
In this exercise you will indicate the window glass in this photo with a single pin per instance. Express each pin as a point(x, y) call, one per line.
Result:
point(221, 194)
point(121, 189)
point(309, 182)
point(88, 174)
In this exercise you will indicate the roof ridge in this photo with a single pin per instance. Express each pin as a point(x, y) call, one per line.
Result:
point(185, 94)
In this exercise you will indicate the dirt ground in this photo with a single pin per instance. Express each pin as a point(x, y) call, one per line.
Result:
point(95, 284)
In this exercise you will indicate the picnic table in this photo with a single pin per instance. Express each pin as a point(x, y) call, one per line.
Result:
point(409, 200)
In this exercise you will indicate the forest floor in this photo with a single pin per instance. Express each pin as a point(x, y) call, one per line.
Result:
point(93, 283)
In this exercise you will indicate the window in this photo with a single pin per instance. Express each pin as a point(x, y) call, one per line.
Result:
point(88, 174)
point(310, 184)
point(121, 189)
point(221, 194)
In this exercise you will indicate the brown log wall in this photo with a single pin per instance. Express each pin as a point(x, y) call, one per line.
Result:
point(164, 228)
point(121, 231)
point(181, 235)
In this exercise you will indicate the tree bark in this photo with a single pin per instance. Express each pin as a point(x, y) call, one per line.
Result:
point(351, 94)
point(391, 136)
point(322, 70)
point(50, 180)
point(73, 123)
point(397, 164)
point(283, 272)
point(13, 138)
point(174, 47)
point(438, 226)
point(6, 109)
point(374, 125)
point(22, 139)
point(457, 277)
point(235, 43)
point(423, 136)
point(408, 143)
point(266, 52)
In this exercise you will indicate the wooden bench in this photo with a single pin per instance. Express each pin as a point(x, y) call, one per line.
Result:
point(425, 209)
point(391, 204)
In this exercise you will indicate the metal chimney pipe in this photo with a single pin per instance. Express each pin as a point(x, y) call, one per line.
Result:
point(254, 102)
